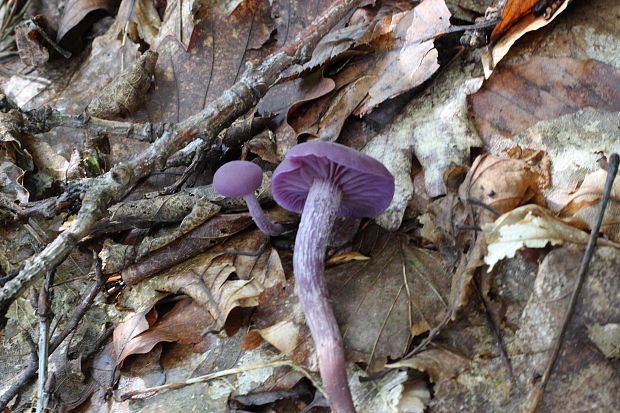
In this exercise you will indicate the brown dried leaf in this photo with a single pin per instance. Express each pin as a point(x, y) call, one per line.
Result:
point(526, 24)
point(127, 92)
point(519, 95)
point(501, 183)
point(191, 74)
point(76, 10)
point(208, 278)
point(186, 323)
point(530, 226)
point(582, 376)
point(379, 303)
point(128, 330)
point(581, 208)
point(405, 67)
point(440, 364)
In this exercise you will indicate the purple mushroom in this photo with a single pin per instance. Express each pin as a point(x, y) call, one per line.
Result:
point(239, 179)
point(324, 180)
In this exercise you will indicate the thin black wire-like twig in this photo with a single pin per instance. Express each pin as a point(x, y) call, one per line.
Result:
point(537, 393)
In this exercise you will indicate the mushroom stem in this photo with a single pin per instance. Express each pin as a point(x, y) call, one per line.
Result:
point(260, 219)
point(317, 220)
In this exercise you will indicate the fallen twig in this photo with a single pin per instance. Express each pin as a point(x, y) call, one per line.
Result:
point(211, 376)
point(206, 125)
point(538, 391)
point(44, 311)
point(29, 374)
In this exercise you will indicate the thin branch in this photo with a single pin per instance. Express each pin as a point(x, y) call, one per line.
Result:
point(44, 312)
point(30, 373)
point(537, 392)
point(222, 373)
point(206, 125)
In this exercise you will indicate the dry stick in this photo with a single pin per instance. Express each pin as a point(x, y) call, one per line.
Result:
point(44, 312)
point(222, 373)
point(44, 119)
point(111, 187)
point(612, 170)
point(31, 371)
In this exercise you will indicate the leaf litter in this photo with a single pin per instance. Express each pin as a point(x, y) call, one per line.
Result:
point(542, 165)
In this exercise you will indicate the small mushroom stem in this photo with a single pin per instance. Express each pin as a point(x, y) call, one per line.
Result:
point(260, 219)
point(315, 227)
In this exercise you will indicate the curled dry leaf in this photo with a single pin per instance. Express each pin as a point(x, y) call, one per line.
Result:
point(574, 143)
point(76, 10)
point(439, 363)
point(186, 323)
point(405, 67)
point(581, 208)
point(501, 183)
point(127, 92)
point(138, 19)
point(208, 277)
point(529, 226)
point(516, 30)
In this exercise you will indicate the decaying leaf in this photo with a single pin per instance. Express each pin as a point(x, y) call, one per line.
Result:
point(581, 208)
point(403, 68)
point(380, 303)
point(501, 183)
point(607, 338)
point(186, 323)
point(389, 394)
point(76, 10)
point(517, 96)
point(529, 226)
point(574, 144)
point(525, 24)
point(127, 92)
point(582, 376)
point(439, 363)
point(206, 278)
point(138, 19)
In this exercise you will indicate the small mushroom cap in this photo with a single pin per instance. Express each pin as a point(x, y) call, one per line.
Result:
point(237, 178)
point(367, 186)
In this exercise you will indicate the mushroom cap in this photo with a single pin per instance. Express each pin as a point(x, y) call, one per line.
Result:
point(237, 178)
point(367, 186)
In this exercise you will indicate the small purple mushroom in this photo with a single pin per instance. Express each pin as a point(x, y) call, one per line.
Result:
point(239, 179)
point(324, 180)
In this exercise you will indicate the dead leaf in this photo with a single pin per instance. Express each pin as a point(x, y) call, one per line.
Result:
point(574, 143)
point(377, 302)
point(399, 70)
point(501, 183)
point(519, 95)
point(524, 25)
point(128, 330)
point(219, 280)
point(440, 364)
point(214, 51)
point(186, 323)
point(529, 226)
point(581, 208)
point(75, 11)
point(607, 338)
